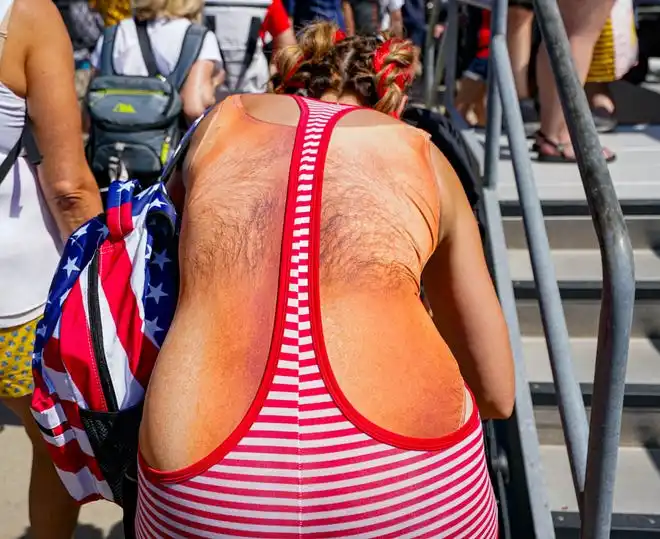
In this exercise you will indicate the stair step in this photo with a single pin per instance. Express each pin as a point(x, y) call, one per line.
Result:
point(640, 427)
point(643, 361)
point(637, 488)
point(641, 417)
point(581, 266)
point(581, 302)
point(567, 526)
point(635, 171)
point(576, 231)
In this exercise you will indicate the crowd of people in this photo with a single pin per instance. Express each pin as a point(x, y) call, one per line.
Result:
point(604, 46)
point(397, 386)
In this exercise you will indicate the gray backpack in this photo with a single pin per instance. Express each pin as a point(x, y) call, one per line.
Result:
point(137, 121)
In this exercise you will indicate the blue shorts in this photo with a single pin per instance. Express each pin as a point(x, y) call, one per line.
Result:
point(477, 70)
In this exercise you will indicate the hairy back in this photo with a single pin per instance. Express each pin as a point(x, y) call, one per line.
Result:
point(380, 203)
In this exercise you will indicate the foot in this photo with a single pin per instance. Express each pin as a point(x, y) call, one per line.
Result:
point(530, 117)
point(550, 151)
point(604, 119)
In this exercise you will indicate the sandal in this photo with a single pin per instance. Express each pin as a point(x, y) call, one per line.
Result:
point(561, 155)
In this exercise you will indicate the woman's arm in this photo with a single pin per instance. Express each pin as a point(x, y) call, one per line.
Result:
point(278, 24)
point(466, 310)
point(198, 92)
point(206, 74)
point(66, 180)
point(349, 21)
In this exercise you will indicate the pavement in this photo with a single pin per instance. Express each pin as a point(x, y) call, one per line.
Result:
point(98, 520)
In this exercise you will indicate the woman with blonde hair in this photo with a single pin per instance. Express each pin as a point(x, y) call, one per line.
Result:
point(166, 23)
point(303, 389)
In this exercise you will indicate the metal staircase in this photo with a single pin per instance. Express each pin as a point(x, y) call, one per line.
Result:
point(576, 258)
point(581, 455)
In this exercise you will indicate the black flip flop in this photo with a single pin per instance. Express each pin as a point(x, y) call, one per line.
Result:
point(560, 148)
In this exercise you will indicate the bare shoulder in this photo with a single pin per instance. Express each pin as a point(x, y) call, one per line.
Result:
point(38, 26)
point(35, 16)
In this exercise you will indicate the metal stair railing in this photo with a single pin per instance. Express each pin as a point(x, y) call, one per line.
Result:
point(592, 447)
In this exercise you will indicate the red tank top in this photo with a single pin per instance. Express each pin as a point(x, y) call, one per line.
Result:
point(304, 462)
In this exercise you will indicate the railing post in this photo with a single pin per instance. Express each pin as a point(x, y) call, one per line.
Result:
point(494, 103)
point(543, 527)
point(430, 84)
point(450, 48)
point(618, 280)
point(571, 405)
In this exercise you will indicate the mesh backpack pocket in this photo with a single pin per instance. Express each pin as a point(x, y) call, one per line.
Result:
point(109, 308)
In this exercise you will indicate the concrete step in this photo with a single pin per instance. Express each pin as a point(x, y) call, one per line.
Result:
point(640, 427)
point(635, 171)
point(643, 361)
point(641, 416)
point(577, 231)
point(582, 265)
point(581, 302)
point(637, 488)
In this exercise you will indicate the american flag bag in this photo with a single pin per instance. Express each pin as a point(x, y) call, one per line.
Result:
point(110, 305)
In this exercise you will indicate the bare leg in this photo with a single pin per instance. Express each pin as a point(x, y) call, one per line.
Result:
point(468, 99)
point(519, 42)
point(602, 106)
point(53, 513)
point(584, 21)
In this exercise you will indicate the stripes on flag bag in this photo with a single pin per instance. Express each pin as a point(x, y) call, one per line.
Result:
point(108, 311)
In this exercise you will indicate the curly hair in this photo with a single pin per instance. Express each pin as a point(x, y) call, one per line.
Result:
point(378, 69)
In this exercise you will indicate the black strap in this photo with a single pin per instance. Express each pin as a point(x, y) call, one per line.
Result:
point(11, 158)
point(25, 140)
point(190, 49)
point(107, 64)
point(250, 49)
point(145, 48)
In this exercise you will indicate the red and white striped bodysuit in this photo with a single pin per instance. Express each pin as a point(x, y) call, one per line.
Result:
point(304, 462)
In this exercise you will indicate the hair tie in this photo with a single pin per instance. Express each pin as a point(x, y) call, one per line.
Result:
point(339, 36)
point(380, 56)
point(286, 79)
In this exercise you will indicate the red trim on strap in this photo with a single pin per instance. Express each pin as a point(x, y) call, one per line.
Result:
point(198, 468)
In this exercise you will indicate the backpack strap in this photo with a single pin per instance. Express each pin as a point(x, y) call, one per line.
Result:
point(190, 49)
point(11, 158)
point(146, 49)
point(107, 66)
point(25, 141)
point(250, 50)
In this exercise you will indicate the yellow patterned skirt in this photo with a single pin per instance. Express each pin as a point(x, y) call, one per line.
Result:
point(16, 346)
point(616, 49)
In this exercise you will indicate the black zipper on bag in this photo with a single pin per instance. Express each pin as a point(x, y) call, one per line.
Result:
point(96, 330)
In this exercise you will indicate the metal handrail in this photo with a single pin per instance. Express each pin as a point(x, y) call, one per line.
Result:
point(592, 448)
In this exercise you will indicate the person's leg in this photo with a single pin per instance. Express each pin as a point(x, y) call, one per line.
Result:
point(519, 43)
point(602, 106)
point(584, 21)
point(520, 18)
point(467, 98)
point(53, 513)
